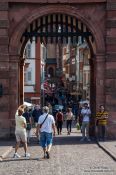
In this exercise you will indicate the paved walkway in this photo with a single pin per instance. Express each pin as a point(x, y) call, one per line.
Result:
point(5, 148)
point(68, 157)
point(108, 146)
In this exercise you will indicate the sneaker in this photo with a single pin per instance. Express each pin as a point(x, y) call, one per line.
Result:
point(16, 155)
point(82, 139)
point(27, 155)
point(47, 155)
point(68, 133)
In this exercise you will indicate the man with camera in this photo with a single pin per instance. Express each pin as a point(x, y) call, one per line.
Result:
point(86, 113)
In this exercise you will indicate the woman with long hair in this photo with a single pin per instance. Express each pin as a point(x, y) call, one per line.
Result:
point(69, 118)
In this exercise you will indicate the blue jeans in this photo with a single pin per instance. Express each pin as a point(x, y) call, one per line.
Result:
point(85, 128)
point(69, 125)
point(45, 139)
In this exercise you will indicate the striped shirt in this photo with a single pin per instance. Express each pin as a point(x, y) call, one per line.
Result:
point(102, 118)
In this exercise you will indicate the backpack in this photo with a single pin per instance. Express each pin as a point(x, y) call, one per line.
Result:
point(59, 116)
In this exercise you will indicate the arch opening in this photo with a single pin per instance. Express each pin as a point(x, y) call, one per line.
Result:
point(60, 38)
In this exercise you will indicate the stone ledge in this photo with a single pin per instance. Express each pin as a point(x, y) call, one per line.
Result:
point(6, 152)
point(109, 148)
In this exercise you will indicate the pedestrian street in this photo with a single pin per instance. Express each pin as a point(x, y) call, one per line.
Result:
point(68, 156)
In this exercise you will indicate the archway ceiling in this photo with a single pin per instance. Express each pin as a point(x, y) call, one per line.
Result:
point(57, 28)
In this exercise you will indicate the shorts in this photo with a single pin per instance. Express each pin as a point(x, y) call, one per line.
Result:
point(21, 136)
point(45, 139)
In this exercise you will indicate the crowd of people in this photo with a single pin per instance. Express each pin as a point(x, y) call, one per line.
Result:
point(47, 124)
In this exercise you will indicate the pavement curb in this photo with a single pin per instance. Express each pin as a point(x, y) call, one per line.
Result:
point(4, 155)
point(107, 151)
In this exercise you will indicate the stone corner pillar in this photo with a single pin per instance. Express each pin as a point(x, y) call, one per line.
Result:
point(100, 79)
point(13, 90)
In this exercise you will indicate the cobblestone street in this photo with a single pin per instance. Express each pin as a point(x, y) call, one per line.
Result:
point(68, 157)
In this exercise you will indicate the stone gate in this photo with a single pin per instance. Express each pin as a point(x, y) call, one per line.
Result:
point(16, 15)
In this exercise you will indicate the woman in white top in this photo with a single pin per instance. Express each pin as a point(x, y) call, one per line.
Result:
point(20, 131)
point(69, 118)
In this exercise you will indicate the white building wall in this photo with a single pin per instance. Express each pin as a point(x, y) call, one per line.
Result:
point(30, 70)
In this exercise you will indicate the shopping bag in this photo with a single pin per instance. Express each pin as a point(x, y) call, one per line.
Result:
point(77, 126)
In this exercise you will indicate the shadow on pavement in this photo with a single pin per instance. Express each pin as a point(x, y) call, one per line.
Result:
point(70, 140)
point(9, 159)
point(7, 142)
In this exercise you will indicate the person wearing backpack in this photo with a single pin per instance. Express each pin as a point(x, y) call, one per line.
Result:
point(36, 114)
point(59, 121)
point(27, 116)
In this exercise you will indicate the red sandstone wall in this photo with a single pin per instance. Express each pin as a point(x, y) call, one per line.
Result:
point(4, 68)
point(110, 85)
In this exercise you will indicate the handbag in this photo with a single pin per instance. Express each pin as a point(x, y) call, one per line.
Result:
point(43, 121)
point(28, 126)
point(77, 126)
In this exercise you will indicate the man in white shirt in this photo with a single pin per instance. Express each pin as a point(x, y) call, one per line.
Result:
point(46, 127)
point(85, 112)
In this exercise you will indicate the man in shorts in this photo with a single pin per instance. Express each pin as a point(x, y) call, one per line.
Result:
point(46, 128)
point(20, 132)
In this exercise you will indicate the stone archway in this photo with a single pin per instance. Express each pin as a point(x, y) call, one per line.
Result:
point(91, 23)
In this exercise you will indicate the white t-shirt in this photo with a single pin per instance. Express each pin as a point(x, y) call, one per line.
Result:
point(69, 115)
point(20, 121)
point(86, 114)
point(47, 125)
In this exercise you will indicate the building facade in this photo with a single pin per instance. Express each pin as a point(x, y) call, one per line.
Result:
point(34, 71)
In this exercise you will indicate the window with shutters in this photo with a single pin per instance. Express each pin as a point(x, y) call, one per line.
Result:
point(29, 76)
point(28, 51)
